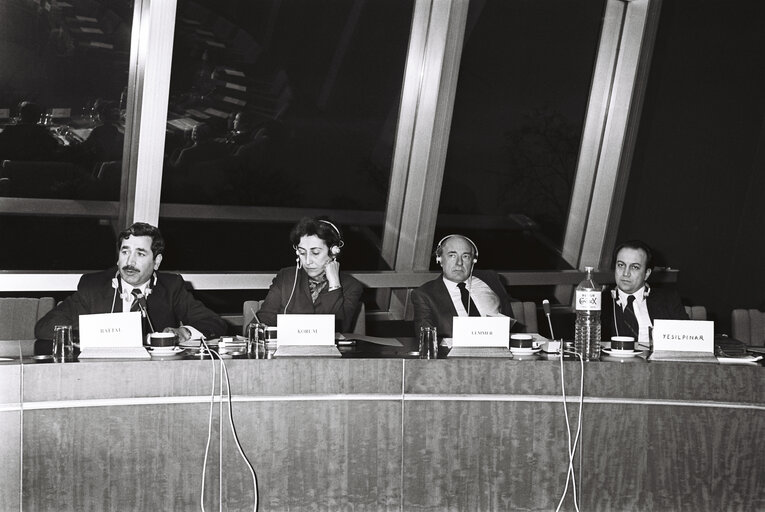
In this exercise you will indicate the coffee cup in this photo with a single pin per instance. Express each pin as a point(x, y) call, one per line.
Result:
point(523, 341)
point(163, 339)
point(622, 343)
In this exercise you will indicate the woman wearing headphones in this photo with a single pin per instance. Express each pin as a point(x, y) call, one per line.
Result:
point(315, 285)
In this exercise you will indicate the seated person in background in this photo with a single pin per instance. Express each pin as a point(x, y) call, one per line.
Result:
point(315, 285)
point(105, 142)
point(459, 290)
point(630, 308)
point(136, 284)
point(28, 140)
point(202, 149)
point(242, 131)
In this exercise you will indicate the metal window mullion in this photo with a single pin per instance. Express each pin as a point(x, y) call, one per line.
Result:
point(610, 118)
point(151, 55)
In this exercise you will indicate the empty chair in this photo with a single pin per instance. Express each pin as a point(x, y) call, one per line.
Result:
point(696, 312)
point(526, 314)
point(749, 326)
point(18, 316)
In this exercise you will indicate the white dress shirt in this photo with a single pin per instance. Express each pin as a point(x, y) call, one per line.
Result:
point(482, 295)
point(641, 312)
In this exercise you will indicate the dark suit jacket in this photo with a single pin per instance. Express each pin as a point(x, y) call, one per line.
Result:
point(344, 302)
point(169, 304)
point(662, 304)
point(433, 306)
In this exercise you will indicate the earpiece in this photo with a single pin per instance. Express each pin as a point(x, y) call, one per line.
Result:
point(439, 247)
point(335, 249)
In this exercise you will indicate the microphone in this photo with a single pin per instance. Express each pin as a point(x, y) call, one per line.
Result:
point(551, 344)
point(546, 307)
point(143, 307)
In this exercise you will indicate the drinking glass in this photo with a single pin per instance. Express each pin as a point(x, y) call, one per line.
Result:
point(63, 347)
point(428, 343)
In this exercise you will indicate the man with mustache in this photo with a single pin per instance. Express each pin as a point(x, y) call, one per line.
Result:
point(136, 285)
point(630, 308)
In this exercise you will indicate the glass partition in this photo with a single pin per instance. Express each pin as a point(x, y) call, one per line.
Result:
point(278, 109)
point(62, 107)
point(519, 110)
point(696, 184)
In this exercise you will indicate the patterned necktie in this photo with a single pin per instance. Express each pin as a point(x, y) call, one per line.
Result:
point(316, 288)
point(467, 301)
point(630, 320)
point(135, 305)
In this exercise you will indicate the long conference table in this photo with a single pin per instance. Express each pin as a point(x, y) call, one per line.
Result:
point(399, 434)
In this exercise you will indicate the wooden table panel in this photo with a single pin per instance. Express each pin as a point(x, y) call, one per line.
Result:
point(388, 434)
point(478, 455)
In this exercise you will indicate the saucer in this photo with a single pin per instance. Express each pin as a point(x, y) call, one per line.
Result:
point(622, 353)
point(165, 351)
point(524, 351)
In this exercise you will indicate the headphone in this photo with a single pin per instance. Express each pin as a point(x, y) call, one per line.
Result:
point(334, 249)
point(117, 285)
point(439, 247)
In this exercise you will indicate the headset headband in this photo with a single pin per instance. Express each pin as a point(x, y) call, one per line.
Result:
point(339, 236)
point(447, 237)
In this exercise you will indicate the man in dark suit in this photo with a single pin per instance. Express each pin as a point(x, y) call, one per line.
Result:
point(630, 308)
point(136, 285)
point(459, 290)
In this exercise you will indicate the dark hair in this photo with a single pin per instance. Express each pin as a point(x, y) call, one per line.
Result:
point(143, 229)
point(201, 132)
point(636, 245)
point(29, 112)
point(322, 228)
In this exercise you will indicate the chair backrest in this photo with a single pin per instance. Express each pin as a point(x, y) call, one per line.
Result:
point(250, 307)
point(360, 326)
point(748, 325)
point(525, 313)
point(18, 316)
point(696, 312)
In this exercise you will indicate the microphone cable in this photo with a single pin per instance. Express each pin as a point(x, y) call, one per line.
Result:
point(294, 283)
point(224, 372)
point(571, 473)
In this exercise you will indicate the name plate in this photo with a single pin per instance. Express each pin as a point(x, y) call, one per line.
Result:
point(114, 330)
point(305, 329)
point(684, 335)
point(483, 331)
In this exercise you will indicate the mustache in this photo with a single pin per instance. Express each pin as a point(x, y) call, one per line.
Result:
point(127, 268)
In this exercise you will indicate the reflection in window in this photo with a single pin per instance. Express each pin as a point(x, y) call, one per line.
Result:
point(519, 109)
point(282, 104)
point(62, 101)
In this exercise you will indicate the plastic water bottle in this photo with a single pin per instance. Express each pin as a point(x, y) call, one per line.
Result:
point(587, 332)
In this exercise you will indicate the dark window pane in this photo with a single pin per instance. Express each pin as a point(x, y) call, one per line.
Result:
point(697, 186)
point(281, 104)
point(519, 110)
point(62, 98)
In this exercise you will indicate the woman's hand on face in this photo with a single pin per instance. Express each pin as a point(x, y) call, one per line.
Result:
point(332, 270)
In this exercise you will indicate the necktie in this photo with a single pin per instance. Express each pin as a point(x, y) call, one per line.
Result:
point(630, 320)
point(467, 301)
point(135, 306)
